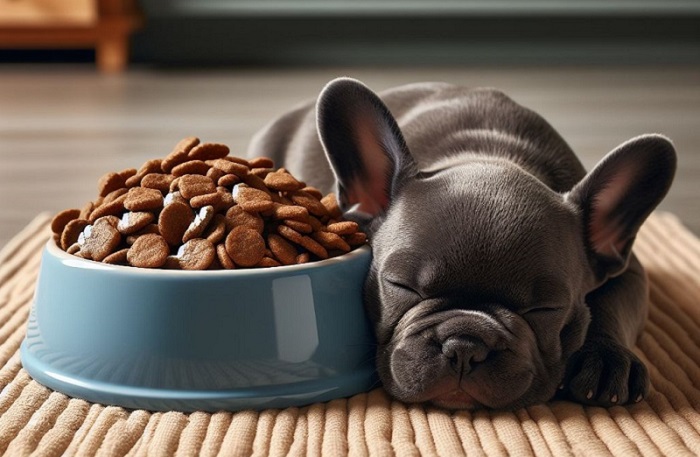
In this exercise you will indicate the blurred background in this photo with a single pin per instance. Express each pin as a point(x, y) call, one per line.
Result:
point(90, 86)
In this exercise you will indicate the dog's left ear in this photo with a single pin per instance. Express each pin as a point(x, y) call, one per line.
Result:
point(617, 196)
point(364, 146)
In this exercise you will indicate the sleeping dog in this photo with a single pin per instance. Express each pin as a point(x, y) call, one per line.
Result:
point(502, 272)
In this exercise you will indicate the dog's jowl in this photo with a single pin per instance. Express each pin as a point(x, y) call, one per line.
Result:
point(503, 273)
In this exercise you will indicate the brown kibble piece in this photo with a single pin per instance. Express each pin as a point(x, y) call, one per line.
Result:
point(199, 224)
point(257, 183)
point(331, 241)
point(143, 198)
point(257, 206)
point(158, 181)
point(74, 249)
point(226, 199)
point(127, 173)
point(215, 174)
point(133, 221)
point(267, 262)
point(87, 210)
point(217, 229)
point(261, 172)
point(313, 191)
point(60, 220)
point(112, 220)
point(114, 195)
point(191, 167)
point(134, 181)
point(208, 151)
point(280, 180)
point(229, 167)
point(196, 254)
point(304, 257)
point(174, 221)
point(179, 153)
point(224, 258)
point(313, 247)
point(110, 182)
point(250, 199)
point(117, 258)
point(150, 228)
point(113, 208)
point(236, 217)
point(174, 159)
point(290, 234)
point(261, 162)
point(245, 246)
point(186, 144)
point(72, 231)
point(151, 166)
point(228, 180)
point(242, 192)
point(301, 227)
point(308, 201)
point(171, 263)
point(173, 197)
point(343, 227)
point(282, 249)
point(214, 199)
point(194, 185)
point(356, 239)
point(298, 213)
point(240, 160)
point(331, 204)
point(148, 251)
point(99, 240)
point(316, 224)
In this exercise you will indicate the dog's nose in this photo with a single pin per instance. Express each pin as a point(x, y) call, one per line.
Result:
point(464, 353)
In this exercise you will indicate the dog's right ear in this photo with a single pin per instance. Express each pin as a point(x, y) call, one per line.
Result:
point(617, 196)
point(364, 146)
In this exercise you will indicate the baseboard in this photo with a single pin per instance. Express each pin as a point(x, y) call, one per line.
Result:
point(419, 40)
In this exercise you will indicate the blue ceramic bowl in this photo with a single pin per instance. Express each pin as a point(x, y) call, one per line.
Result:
point(200, 340)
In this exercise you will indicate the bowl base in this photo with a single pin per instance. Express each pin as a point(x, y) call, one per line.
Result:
point(154, 399)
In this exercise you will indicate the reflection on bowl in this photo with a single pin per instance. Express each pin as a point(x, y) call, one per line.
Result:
point(200, 340)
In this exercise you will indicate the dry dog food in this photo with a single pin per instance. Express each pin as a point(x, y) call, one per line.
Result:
point(199, 208)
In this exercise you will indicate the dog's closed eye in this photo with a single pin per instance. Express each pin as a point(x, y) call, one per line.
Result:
point(404, 287)
point(538, 309)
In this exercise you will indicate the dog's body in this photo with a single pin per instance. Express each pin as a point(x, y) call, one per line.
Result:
point(501, 270)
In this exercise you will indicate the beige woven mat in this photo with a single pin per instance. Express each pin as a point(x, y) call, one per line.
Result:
point(37, 421)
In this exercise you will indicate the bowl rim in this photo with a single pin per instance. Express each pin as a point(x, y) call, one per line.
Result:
point(78, 262)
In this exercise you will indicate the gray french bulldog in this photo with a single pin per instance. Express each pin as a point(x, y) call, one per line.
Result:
point(502, 272)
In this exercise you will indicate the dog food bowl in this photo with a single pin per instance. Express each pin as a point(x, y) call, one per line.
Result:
point(200, 340)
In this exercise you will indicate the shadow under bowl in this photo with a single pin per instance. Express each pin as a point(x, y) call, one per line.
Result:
point(200, 340)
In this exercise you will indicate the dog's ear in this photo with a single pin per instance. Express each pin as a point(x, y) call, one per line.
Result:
point(616, 197)
point(364, 146)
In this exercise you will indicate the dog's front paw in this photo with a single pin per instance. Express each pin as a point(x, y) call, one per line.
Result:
point(605, 373)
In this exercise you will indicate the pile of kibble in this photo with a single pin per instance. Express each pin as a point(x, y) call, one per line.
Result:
point(199, 208)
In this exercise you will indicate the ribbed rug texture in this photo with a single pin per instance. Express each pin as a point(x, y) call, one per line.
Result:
point(37, 421)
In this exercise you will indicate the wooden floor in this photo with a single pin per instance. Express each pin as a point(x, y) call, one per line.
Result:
point(62, 127)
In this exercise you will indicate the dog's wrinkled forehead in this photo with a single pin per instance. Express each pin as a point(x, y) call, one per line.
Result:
point(476, 221)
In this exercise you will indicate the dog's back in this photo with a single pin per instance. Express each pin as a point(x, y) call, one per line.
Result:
point(441, 123)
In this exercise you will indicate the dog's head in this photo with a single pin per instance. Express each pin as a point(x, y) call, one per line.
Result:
point(479, 274)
